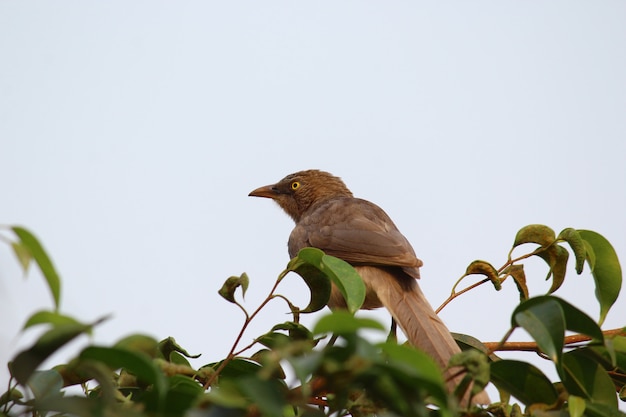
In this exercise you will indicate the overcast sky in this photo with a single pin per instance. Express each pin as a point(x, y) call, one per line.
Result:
point(132, 132)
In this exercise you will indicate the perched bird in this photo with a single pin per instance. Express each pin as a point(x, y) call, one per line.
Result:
point(330, 218)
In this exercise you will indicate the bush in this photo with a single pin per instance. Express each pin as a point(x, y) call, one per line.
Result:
point(338, 371)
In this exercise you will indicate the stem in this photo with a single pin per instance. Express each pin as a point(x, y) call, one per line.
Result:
point(245, 313)
point(503, 341)
point(457, 293)
point(508, 263)
point(7, 405)
point(520, 258)
point(295, 311)
point(249, 318)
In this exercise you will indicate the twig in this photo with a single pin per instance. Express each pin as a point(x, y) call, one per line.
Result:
point(457, 293)
point(532, 346)
point(508, 263)
point(249, 318)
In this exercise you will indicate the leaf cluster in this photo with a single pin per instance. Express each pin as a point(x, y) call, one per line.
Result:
point(332, 368)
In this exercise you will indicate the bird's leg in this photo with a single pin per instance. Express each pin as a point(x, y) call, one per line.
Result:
point(392, 336)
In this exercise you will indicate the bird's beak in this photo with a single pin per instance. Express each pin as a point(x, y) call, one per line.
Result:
point(266, 191)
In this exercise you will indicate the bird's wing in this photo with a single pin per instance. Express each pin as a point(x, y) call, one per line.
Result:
point(357, 231)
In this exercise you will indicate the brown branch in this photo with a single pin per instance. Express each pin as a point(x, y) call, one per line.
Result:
point(457, 293)
point(316, 390)
point(231, 355)
point(508, 263)
point(532, 346)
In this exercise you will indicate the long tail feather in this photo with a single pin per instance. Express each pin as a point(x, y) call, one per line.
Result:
point(418, 320)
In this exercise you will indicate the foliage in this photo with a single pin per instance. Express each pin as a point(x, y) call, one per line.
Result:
point(333, 369)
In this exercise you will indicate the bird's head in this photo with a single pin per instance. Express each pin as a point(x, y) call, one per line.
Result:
point(298, 192)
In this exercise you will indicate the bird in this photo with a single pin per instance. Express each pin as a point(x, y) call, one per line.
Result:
point(327, 216)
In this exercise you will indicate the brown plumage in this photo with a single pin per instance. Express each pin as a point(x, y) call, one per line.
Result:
point(329, 218)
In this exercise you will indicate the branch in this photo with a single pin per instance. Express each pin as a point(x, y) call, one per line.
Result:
point(508, 263)
point(457, 293)
point(532, 346)
point(231, 355)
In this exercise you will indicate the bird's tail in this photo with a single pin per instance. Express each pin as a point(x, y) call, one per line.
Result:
point(418, 320)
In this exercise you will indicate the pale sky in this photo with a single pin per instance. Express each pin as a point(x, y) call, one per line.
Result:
point(132, 132)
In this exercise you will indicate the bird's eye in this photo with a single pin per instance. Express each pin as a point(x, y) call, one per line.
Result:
point(295, 185)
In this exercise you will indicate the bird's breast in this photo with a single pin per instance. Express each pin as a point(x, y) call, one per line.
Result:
point(297, 241)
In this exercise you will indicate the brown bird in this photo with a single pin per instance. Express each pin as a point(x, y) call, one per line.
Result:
point(329, 218)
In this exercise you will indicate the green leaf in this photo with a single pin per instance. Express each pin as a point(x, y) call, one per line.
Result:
point(402, 378)
point(296, 330)
point(605, 268)
point(226, 397)
point(30, 242)
point(273, 340)
point(601, 410)
point(556, 257)
point(579, 322)
point(238, 368)
point(27, 361)
point(516, 271)
point(406, 369)
point(11, 396)
point(543, 319)
point(169, 345)
point(342, 322)
point(136, 363)
point(307, 264)
point(618, 348)
point(485, 268)
point(467, 342)
point(585, 377)
point(400, 394)
point(182, 383)
point(414, 361)
point(316, 269)
point(576, 242)
point(22, 254)
point(270, 362)
point(139, 343)
point(477, 367)
point(79, 371)
point(575, 406)
point(72, 373)
point(230, 286)
point(348, 281)
point(535, 233)
point(590, 256)
point(547, 317)
point(45, 384)
point(304, 365)
point(75, 406)
point(183, 392)
point(524, 381)
point(49, 317)
point(178, 359)
point(268, 395)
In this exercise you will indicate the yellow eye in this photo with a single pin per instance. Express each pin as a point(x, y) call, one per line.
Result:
point(295, 185)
